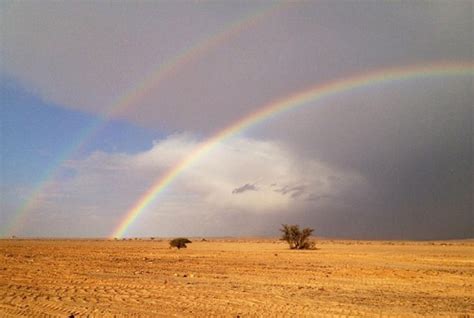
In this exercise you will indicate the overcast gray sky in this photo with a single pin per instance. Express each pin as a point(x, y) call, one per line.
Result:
point(391, 160)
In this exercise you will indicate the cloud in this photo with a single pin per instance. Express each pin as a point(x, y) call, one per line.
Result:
point(245, 187)
point(104, 186)
point(294, 191)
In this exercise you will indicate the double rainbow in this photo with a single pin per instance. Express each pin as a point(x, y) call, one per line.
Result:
point(132, 96)
point(306, 97)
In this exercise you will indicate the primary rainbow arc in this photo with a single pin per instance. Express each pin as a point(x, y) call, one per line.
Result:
point(313, 94)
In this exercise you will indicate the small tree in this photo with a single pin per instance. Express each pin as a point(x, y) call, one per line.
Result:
point(296, 238)
point(179, 242)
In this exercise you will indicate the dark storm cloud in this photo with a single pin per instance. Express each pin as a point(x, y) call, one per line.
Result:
point(412, 141)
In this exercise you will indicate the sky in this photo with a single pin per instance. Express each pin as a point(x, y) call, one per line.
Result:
point(100, 100)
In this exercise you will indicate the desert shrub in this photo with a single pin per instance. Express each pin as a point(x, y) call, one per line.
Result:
point(179, 242)
point(296, 238)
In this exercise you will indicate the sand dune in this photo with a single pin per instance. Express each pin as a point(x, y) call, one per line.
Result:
point(235, 278)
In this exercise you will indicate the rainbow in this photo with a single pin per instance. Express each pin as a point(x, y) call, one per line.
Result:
point(132, 96)
point(311, 95)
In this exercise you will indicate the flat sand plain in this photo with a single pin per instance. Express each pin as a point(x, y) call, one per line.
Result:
point(235, 278)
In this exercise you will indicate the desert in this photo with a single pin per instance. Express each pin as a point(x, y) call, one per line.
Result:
point(153, 152)
point(228, 277)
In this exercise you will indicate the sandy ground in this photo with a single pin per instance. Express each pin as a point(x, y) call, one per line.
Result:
point(235, 278)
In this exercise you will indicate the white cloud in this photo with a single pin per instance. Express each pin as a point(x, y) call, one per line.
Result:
point(104, 186)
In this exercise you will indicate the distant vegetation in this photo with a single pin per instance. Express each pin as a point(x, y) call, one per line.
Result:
point(296, 238)
point(179, 242)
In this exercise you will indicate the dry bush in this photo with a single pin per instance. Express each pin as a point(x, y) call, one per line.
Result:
point(179, 242)
point(296, 238)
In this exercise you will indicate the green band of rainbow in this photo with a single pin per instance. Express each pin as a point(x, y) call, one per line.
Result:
point(313, 94)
